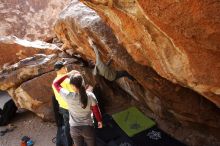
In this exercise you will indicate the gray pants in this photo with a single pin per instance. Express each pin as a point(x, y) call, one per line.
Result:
point(83, 134)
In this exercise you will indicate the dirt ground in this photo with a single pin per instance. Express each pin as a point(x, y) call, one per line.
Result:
point(27, 124)
point(30, 125)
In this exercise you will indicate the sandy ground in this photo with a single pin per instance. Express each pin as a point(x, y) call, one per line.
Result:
point(30, 125)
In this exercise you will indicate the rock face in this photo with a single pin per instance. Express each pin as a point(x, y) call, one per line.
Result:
point(180, 40)
point(14, 49)
point(139, 46)
point(26, 69)
point(29, 83)
point(35, 95)
point(30, 19)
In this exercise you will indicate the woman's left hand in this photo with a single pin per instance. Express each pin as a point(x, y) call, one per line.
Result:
point(100, 125)
point(89, 88)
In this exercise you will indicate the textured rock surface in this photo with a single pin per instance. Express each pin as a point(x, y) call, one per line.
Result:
point(22, 81)
point(26, 69)
point(30, 19)
point(35, 95)
point(14, 49)
point(29, 83)
point(133, 51)
point(179, 39)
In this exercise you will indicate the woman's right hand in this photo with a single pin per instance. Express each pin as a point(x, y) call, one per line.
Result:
point(100, 125)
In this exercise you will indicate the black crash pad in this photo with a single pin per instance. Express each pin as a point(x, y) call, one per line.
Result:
point(155, 137)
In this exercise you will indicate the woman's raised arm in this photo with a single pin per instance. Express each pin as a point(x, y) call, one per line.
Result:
point(58, 82)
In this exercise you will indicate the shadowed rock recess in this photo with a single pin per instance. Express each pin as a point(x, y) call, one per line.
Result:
point(171, 49)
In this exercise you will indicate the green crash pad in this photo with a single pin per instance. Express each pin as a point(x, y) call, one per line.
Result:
point(132, 121)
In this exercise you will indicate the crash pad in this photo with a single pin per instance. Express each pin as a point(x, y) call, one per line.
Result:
point(132, 121)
